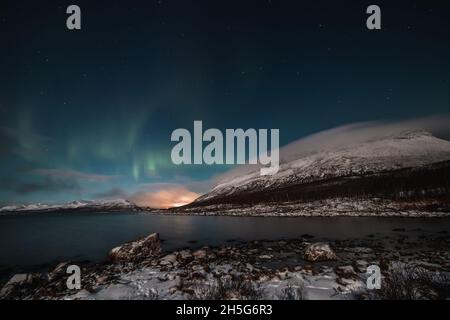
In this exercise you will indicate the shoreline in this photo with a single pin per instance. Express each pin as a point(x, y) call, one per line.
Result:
point(415, 214)
point(269, 266)
point(329, 207)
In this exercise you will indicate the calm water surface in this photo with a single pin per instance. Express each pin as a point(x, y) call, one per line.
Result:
point(49, 238)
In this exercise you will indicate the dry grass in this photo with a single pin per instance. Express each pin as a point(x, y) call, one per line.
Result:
point(413, 283)
point(292, 292)
point(223, 289)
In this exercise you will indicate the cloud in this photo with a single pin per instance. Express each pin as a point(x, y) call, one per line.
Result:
point(167, 197)
point(113, 193)
point(55, 181)
point(72, 175)
point(24, 142)
point(6, 143)
point(47, 185)
point(348, 135)
point(159, 195)
point(194, 186)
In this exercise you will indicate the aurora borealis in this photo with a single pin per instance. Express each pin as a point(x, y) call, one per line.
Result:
point(88, 114)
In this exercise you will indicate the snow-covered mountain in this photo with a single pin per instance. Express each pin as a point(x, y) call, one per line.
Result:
point(383, 155)
point(82, 206)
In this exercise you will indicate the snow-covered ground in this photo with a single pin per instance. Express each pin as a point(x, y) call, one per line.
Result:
point(278, 269)
point(151, 283)
point(350, 207)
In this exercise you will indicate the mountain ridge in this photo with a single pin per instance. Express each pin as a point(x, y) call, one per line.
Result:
point(74, 206)
point(407, 150)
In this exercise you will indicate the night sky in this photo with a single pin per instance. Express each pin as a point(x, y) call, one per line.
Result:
point(88, 114)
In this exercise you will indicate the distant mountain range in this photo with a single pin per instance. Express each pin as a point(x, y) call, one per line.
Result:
point(74, 206)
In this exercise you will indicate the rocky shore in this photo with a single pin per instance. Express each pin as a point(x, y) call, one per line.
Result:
point(413, 267)
point(333, 207)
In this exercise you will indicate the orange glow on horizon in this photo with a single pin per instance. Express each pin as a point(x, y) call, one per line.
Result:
point(165, 198)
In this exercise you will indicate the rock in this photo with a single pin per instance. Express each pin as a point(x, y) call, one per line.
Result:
point(169, 259)
point(384, 263)
point(199, 254)
point(212, 256)
point(319, 251)
point(360, 250)
point(19, 279)
point(351, 284)
point(138, 249)
point(264, 278)
point(58, 271)
point(361, 266)
point(345, 272)
point(222, 252)
point(101, 279)
point(171, 277)
point(326, 269)
point(173, 290)
point(265, 257)
point(198, 268)
point(82, 294)
point(60, 268)
point(162, 277)
point(15, 282)
point(283, 275)
point(185, 254)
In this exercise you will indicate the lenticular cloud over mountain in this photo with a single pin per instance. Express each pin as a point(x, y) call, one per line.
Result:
point(349, 135)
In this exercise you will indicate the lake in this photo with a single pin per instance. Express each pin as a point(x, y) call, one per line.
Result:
point(50, 238)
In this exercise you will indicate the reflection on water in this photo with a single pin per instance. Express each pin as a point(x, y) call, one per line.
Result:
point(48, 238)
